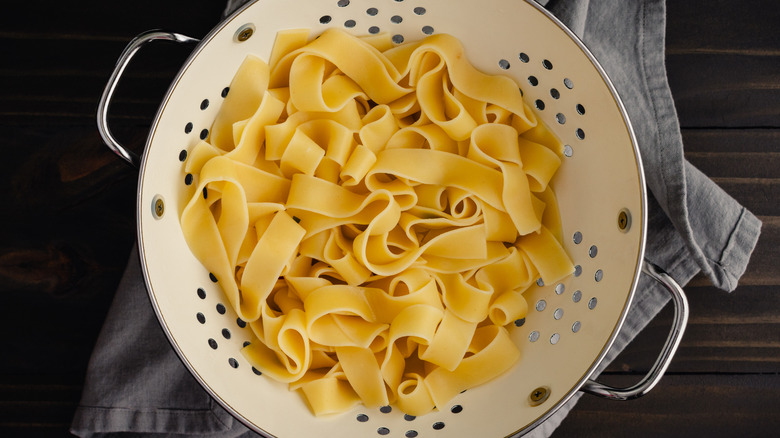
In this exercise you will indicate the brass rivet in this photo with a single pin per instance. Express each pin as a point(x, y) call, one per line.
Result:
point(539, 396)
point(158, 207)
point(624, 220)
point(245, 32)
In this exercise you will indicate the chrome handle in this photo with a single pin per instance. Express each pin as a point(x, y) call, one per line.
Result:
point(108, 92)
point(665, 358)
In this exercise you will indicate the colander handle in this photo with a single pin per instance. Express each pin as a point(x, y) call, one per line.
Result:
point(105, 100)
point(665, 358)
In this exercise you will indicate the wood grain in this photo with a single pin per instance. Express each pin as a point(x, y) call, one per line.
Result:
point(723, 63)
point(725, 406)
point(68, 215)
point(744, 97)
point(720, 140)
point(723, 60)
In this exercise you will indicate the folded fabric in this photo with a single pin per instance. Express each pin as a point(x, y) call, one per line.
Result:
point(136, 386)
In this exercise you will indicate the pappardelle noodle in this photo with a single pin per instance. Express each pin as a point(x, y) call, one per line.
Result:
point(375, 212)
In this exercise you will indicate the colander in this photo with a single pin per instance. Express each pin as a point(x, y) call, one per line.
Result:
point(600, 186)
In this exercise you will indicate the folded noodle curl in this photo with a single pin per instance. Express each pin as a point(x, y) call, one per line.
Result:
point(375, 213)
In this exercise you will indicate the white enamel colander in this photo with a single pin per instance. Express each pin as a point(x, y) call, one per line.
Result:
point(600, 187)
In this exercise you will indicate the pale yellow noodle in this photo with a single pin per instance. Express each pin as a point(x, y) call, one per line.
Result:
point(375, 213)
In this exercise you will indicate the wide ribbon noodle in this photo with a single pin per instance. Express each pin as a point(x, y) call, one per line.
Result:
point(375, 213)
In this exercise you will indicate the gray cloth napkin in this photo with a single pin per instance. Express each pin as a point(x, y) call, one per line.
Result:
point(136, 386)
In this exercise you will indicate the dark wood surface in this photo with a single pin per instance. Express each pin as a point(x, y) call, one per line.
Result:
point(67, 223)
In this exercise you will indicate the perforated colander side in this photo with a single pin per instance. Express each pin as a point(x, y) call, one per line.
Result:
point(600, 190)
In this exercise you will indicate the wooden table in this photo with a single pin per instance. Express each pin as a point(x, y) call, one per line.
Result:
point(67, 223)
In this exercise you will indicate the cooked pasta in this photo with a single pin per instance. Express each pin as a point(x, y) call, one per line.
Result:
point(375, 213)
